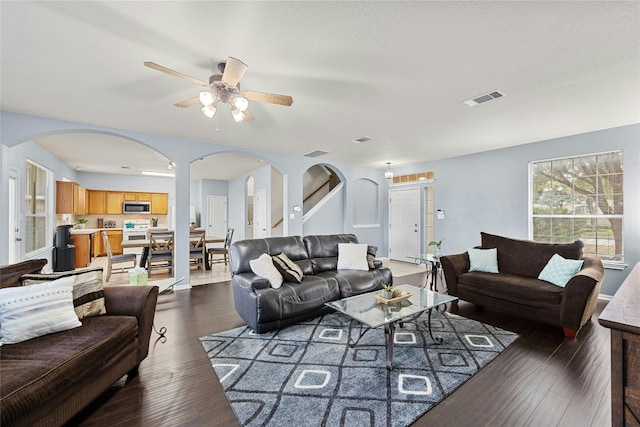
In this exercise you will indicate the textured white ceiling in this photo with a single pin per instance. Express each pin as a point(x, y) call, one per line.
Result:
point(393, 71)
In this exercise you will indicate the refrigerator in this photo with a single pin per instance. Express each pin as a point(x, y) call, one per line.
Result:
point(64, 253)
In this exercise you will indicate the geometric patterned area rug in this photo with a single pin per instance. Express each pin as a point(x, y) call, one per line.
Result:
point(307, 374)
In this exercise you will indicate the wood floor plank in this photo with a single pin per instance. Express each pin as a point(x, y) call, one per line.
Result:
point(540, 380)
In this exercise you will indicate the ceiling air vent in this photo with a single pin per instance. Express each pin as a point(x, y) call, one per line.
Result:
point(361, 139)
point(480, 99)
point(316, 153)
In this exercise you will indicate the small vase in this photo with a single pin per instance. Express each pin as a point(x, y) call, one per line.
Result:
point(387, 294)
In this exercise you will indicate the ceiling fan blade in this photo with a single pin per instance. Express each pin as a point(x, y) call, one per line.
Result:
point(247, 116)
point(233, 71)
point(187, 103)
point(271, 98)
point(174, 73)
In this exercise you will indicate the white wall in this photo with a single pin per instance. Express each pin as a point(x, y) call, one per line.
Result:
point(489, 191)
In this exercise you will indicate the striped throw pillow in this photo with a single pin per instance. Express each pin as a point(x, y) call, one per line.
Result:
point(289, 269)
point(32, 311)
point(88, 290)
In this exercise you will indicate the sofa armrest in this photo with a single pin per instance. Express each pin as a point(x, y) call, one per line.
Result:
point(138, 301)
point(454, 266)
point(251, 282)
point(580, 294)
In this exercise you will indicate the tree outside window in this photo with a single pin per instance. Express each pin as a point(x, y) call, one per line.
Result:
point(35, 207)
point(580, 198)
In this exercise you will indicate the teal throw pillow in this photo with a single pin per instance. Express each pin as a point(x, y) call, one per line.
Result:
point(484, 260)
point(560, 270)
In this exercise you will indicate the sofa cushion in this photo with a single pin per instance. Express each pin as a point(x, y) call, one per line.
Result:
point(32, 311)
point(289, 270)
point(242, 251)
point(352, 256)
point(511, 287)
point(294, 299)
point(34, 370)
point(527, 257)
point(355, 282)
point(559, 270)
point(323, 250)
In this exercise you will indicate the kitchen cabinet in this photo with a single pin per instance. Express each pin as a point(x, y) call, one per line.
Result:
point(65, 192)
point(82, 242)
point(115, 241)
point(137, 197)
point(97, 202)
point(114, 201)
point(159, 203)
point(79, 200)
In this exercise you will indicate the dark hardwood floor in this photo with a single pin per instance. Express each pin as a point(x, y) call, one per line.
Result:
point(541, 380)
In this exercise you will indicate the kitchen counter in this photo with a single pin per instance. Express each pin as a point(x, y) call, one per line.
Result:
point(90, 230)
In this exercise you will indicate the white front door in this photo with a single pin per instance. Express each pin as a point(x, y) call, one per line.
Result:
point(216, 216)
point(404, 224)
point(260, 213)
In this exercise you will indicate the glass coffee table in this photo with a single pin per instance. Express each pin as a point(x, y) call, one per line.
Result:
point(371, 313)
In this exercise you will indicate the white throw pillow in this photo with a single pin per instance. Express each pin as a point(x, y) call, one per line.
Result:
point(485, 260)
point(263, 267)
point(352, 256)
point(560, 270)
point(31, 311)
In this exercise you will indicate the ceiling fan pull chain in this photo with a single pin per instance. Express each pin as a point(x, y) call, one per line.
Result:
point(217, 123)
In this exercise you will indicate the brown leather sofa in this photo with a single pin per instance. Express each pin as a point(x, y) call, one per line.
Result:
point(517, 290)
point(45, 381)
point(265, 309)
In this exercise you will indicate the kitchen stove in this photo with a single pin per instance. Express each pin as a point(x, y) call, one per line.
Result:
point(135, 229)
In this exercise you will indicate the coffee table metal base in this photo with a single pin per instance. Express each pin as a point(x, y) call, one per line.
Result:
point(390, 334)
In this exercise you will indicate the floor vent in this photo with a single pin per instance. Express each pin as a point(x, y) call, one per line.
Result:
point(316, 153)
point(485, 97)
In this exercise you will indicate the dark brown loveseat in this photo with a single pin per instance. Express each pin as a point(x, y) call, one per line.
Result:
point(48, 379)
point(517, 290)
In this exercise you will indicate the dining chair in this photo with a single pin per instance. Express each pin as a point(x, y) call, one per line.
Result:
point(197, 248)
point(224, 250)
point(115, 259)
point(160, 251)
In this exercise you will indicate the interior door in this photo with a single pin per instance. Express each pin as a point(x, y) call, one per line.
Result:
point(216, 216)
point(404, 224)
point(260, 213)
point(14, 226)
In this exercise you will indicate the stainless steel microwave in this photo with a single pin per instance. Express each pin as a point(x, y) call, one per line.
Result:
point(136, 207)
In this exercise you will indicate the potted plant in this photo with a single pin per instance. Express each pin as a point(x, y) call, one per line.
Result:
point(387, 291)
point(82, 222)
point(438, 245)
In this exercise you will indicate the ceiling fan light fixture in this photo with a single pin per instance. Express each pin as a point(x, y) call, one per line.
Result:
point(206, 98)
point(209, 110)
point(240, 102)
point(238, 115)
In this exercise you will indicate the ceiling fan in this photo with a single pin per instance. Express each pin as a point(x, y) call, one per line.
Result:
point(225, 87)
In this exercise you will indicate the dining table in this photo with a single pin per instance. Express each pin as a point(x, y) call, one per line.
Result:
point(144, 244)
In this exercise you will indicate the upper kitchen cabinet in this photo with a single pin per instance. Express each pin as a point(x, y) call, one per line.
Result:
point(159, 203)
point(137, 197)
point(97, 202)
point(70, 198)
point(105, 202)
point(114, 202)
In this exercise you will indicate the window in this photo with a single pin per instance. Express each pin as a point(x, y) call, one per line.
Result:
point(580, 198)
point(36, 195)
